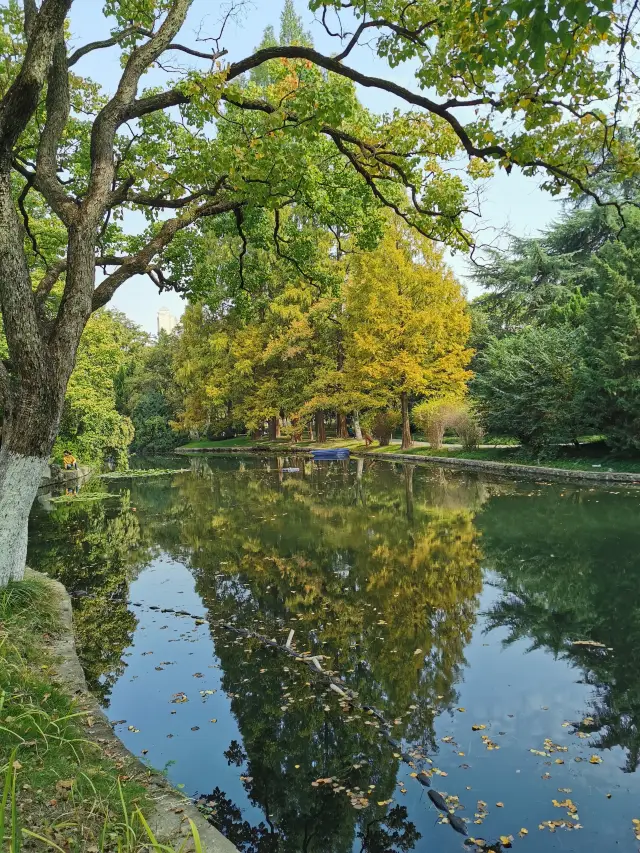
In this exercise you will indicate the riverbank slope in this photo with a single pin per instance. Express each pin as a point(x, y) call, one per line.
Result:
point(70, 780)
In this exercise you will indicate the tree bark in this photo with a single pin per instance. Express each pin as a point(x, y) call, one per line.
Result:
point(30, 424)
point(341, 425)
point(274, 428)
point(407, 441)
point(321, 430)
point(357, 430)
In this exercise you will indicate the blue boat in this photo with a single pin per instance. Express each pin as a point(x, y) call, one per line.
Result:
point(333, 453)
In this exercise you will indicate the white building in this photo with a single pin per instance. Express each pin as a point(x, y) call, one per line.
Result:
point(166, 321)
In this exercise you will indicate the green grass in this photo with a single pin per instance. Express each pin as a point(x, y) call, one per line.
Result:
point(590, 457)
point(58, 789)
point(238, 441)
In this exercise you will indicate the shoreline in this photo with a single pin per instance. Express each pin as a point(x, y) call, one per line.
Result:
point(171, 811)
point(504, 469)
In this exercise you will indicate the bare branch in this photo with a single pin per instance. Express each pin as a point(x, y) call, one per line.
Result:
point(99, 45)
point(140, 261)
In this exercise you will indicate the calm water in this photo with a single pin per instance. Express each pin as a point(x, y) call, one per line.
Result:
point(445, 600)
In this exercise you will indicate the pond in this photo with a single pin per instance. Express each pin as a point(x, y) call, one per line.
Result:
point(492, 626)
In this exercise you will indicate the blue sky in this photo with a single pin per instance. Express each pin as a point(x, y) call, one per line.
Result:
point(511, 204)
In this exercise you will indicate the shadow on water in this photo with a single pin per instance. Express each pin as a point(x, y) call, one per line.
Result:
point(422, 588)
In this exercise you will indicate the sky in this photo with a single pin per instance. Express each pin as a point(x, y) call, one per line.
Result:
point(512, 204)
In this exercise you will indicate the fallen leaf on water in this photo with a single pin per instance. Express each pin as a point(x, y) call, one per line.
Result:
point(462, 710)
point(178, 698)
point(133, 729)
point(500, 805)
point(595, 759)
point(506, 840)
point(478, 728)
point(384, 802)
point(523, 832)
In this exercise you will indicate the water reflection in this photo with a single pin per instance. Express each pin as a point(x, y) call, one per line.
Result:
point(569, 571)
point(378, 569)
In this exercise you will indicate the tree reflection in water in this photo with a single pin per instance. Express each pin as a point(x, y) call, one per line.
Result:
point(375, 569)
point(569, 571)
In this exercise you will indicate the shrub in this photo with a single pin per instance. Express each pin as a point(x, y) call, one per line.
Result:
point(433, 417)
point(466, 424)
point(381, 424)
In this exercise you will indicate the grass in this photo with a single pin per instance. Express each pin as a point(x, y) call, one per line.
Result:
point(58, 789)
point(238, 441)
point(590, 457)
point(591, 454)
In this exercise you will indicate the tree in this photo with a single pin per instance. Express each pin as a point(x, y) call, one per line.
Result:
point(529, 385)
point(408, 324)
point(146, 391)
point(130, 150)
point(90, 425)
point(580, 279)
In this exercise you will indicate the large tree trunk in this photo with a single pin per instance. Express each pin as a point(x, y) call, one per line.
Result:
point(321, 430)
point(407, 441)
point(274, 428)
point(357, 429)
point(341, 425)
point(29, 429)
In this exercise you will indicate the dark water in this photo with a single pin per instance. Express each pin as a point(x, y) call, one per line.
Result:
point(445, 600)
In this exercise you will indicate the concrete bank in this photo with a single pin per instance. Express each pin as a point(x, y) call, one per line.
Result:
point(503, 469)
point(169, 817)
point(507, 469)
point(57, 476)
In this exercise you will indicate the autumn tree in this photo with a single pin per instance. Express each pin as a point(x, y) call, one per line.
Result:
point(408, 325)
point(90, 155)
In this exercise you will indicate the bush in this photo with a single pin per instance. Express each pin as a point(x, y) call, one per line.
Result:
point(433, 417)
point(467, 427)
point(381, 424)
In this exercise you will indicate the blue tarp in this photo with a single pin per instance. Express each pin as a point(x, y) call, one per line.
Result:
point(334, 453)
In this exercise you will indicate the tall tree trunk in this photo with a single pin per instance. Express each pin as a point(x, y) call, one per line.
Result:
point(274, 428)
point(321, 430)
point(407, 441)
point(357, 429)
point(341, 425)
point(28, 433)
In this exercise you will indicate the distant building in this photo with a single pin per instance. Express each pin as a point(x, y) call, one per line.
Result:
point(166, 321)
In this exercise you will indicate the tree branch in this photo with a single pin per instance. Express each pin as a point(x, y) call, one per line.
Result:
point(99, 45)
point(114, 113)
point(49, 279)
point(58, 107)
point(139, 262)
point(21, 99)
